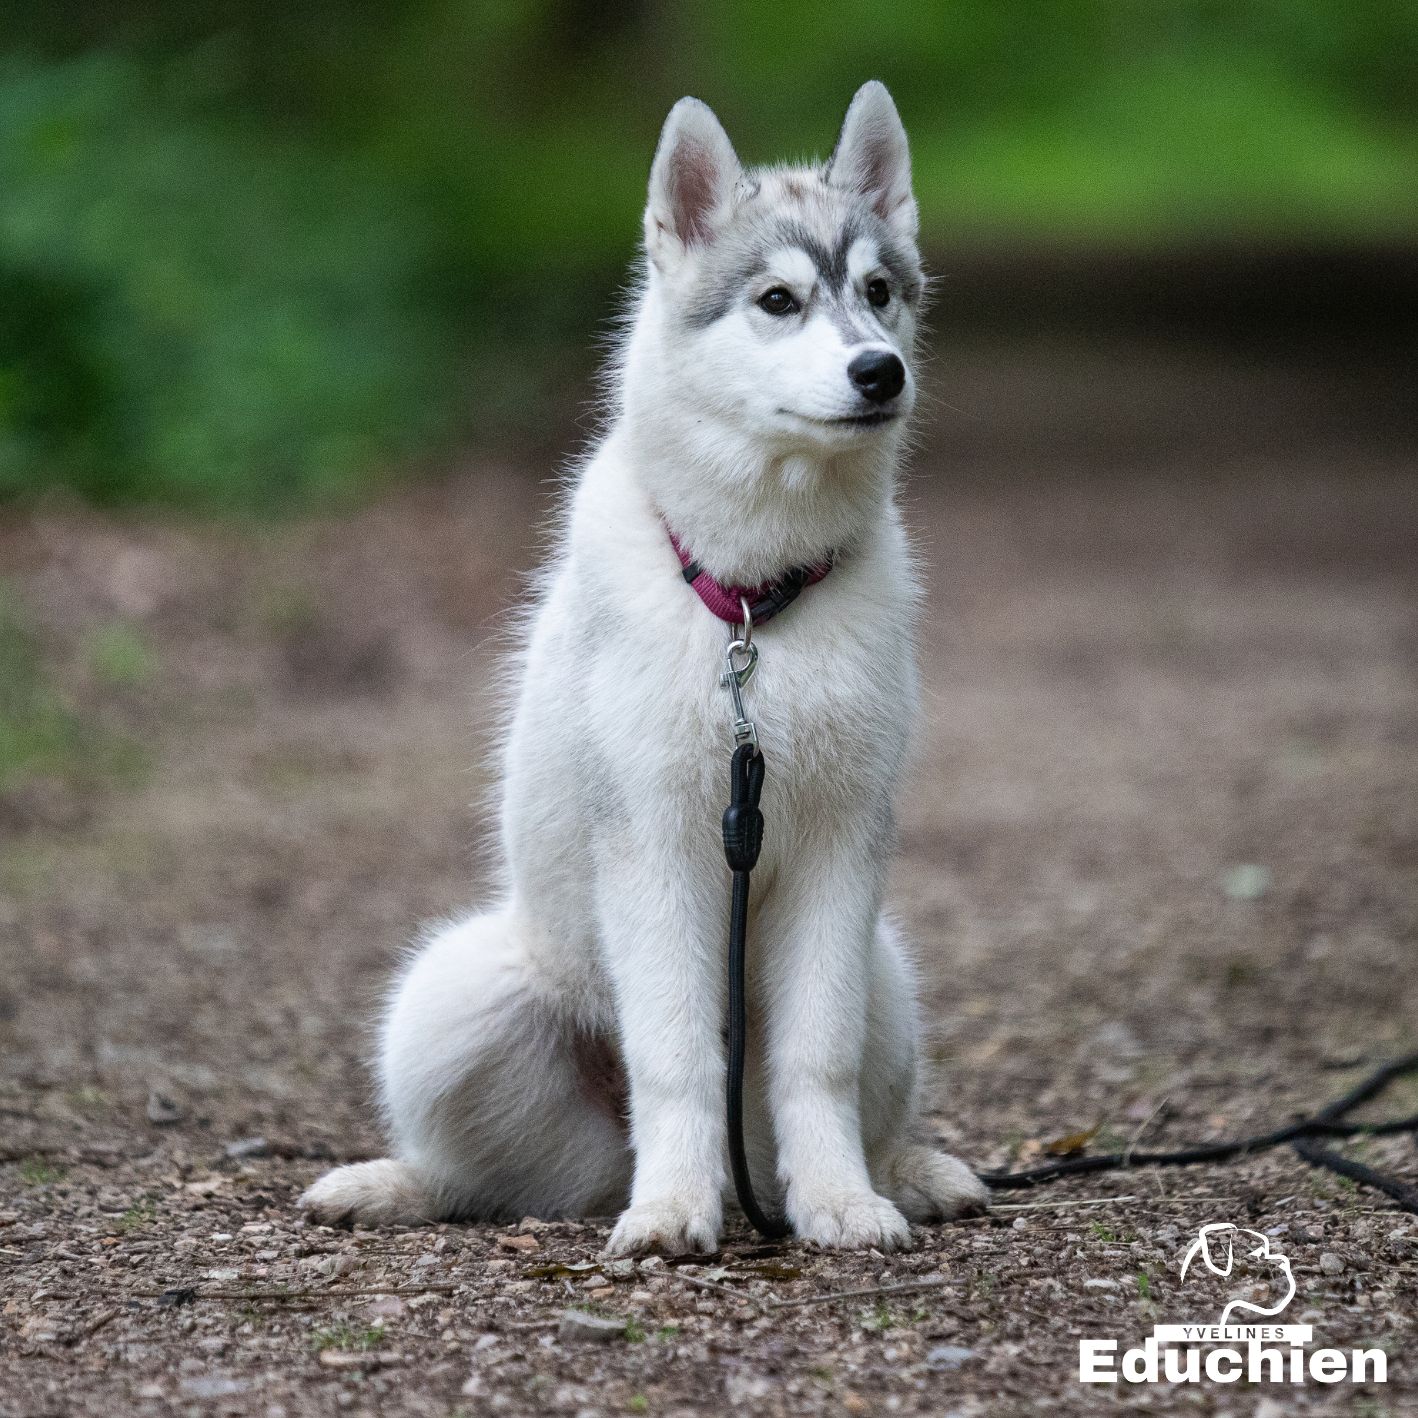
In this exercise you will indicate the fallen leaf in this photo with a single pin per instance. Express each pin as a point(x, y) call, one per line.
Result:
point(1073, 1142)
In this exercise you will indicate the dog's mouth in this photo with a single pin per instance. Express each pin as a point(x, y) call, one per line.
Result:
point(872, 419)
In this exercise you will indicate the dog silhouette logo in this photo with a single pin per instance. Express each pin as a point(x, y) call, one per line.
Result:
point(1221, 1236)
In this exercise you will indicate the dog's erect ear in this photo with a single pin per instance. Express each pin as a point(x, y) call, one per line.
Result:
point(691, 182)
point(872, 157)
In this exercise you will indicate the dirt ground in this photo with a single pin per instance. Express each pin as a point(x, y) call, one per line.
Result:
point(1160, 858)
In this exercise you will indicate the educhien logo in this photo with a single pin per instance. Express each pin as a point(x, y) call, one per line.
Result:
point(1224, 1352)
point(1219, 1233)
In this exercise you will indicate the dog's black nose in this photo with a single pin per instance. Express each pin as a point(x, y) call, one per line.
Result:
point(878, 374)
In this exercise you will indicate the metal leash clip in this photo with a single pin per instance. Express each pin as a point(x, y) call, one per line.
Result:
point(740, 661)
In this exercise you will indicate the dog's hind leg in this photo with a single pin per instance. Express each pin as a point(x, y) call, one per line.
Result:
point(924, 1183)
point(498, 1104)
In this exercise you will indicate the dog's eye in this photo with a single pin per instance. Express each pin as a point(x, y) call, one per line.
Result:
point(878, 292)
point(778, 301)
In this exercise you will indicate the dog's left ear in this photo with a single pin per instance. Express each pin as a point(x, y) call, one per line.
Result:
point(872, 157)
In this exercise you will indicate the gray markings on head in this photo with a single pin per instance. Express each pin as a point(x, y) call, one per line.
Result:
point(794, 208)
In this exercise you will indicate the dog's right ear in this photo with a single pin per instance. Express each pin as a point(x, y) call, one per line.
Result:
point(691, 182)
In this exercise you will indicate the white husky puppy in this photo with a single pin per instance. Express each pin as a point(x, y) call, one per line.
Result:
point(562, 1052)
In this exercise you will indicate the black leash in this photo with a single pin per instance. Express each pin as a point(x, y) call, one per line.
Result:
point(1302, 1134)
point(743, 840)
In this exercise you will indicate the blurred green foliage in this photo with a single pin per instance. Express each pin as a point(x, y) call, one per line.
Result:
point(252, 254)
point(197, 310)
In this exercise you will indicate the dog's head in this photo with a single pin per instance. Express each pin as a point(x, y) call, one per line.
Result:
point(786, 299)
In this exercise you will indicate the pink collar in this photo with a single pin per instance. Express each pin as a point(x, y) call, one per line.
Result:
point(764, 602)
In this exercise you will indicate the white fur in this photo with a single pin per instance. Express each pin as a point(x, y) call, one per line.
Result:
point(611, 932)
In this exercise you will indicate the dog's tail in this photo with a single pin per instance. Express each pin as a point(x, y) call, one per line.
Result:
point(383, 1193)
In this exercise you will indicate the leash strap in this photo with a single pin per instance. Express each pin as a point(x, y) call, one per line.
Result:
point(743, 840)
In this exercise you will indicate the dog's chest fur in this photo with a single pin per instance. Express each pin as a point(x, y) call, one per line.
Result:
point(623, 684)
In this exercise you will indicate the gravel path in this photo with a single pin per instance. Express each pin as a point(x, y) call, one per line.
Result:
point(1161, 859)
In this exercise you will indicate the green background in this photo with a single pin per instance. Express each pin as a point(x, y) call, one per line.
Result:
point(257, 256)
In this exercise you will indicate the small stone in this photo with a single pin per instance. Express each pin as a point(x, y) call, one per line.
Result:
point(331, 1266)
point(213, 1386)
point(162, 1110)
point(532, 1225)
point(386, 1307)
point(743, 1389)
point(1246, 882)
point(358, 1359)
point(578, 1327)
point(1100, 1285)
point(1331, 1264)
point(207, 1186)
point(523, 1243)
point(948, 1356)
point(247, 1147)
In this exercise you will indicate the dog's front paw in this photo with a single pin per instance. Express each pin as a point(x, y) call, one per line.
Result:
point(669, 1227)
point(851, 1222)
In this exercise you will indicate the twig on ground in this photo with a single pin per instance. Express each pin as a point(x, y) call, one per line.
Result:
point(1054, 1205)
point(75, 1156)
point(345, 1293)
point(874, 1292)
point(1141, 1128)
point(740, 1295)
point(94, 1325)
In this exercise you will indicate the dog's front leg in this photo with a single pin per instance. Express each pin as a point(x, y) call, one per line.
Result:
point(820, 929)
point(661, 939)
